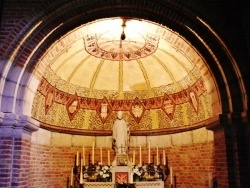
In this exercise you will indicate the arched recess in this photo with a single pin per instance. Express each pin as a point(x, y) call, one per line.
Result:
point(57, 18)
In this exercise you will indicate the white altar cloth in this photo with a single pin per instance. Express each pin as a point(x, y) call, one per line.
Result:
point(148, 184)
point(143, 184)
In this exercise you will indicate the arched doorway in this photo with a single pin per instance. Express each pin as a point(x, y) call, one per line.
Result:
point(31, 47)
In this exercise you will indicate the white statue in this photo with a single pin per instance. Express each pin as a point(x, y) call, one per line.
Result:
point(120, 135)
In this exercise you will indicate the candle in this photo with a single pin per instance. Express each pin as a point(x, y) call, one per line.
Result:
point(81, 177)
point(77, 158)
point(108, 158)
point(83, 156)
point(131, 178)
point(171, 175)
point(140, 156)
point(93, 152)
point(157, 160)
point(164, 157)
point(101, 154)
point(134, 157)
point(149, 152)
point(71, 177)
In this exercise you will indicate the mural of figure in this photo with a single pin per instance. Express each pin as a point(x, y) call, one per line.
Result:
point(137, 110)
point(73, 107)
point(194, 100)
point(104, 110)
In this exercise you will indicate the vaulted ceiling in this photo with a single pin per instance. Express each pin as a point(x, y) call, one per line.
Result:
point(147, 70)
point(178, 64)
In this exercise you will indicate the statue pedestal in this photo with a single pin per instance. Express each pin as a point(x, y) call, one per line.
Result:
point(122, 174)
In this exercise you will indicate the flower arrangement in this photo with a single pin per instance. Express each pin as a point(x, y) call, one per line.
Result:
point(138, 172)
point(151, 169)
point(104, 173)
point(91, 170)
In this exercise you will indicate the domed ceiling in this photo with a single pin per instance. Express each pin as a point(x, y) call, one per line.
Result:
point(144, 69)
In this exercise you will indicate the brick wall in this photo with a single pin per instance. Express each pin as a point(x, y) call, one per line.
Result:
point(192, 164)
point(221, 158)
point(21, 162)
point(50, 165)
point(6, 144)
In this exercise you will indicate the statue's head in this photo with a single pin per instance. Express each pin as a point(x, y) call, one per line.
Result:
point(119, 114)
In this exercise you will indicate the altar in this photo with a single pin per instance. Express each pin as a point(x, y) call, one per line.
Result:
point(123, 172)
point(145, 184)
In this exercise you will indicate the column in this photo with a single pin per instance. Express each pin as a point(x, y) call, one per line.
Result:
point(231, 150)
point(15, 141)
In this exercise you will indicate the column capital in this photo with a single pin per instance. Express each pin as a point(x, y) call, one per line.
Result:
point(221, 120)
point(215, 123)
point(28, 124)
point(14, 124)
point(240, 117)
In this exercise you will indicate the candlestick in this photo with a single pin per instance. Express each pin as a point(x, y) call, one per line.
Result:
point(134, 157)
point(131, 178)
point(71, 177)
point(164, 158)
point(83, 156)
point(77, 158)
point(81, 177)
point(171, 175)
point(108, 158)
point(101, 154)
point(93, 152)
point(149, 152)
point(140, 156)
point(157, 157)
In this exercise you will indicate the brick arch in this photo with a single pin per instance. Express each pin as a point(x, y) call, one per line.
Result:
point(58, 18)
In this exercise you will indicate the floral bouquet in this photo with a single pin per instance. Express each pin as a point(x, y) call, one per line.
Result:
point(150, 171)
point(137, 172)
point(104, 174)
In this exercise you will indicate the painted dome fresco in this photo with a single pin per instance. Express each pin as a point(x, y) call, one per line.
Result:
point(144, 69)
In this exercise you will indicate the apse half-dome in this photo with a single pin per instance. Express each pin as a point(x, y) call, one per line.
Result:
point(156, 77)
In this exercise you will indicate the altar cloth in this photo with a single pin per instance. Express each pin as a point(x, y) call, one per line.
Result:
point(143, 184)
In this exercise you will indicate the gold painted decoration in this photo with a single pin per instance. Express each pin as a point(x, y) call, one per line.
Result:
point(193, 99)
point(92, 46)
point(136, 107)
point(179, 97)
point(137, 110)
point(123, 105)
point(104, 110)
point(168, 106)
point(72, 106)
point(49, 98)
point(198, 87)
point(152, 103)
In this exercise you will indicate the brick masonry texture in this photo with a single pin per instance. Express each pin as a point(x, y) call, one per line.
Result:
point(192, 165)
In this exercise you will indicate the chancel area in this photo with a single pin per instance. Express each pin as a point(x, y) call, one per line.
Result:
point(123, 171)
point(124, 93)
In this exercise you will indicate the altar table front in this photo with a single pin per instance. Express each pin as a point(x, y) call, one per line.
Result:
point(144, 184)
